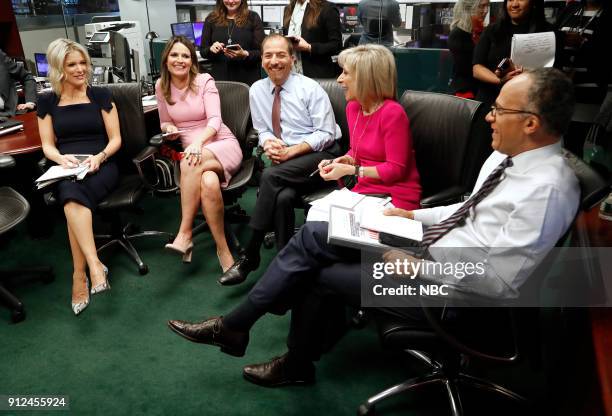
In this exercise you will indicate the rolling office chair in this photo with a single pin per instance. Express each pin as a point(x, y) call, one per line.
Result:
point(441, 340)
point(14, 209)
point(130, 190)
point(236, 115)
point(451, 142)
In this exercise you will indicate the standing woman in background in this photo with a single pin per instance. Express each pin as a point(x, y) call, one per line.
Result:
point(232, 23)
point(314, 28)
point(78, 119)
point(190, 102)
point(518, 17)
point(466, 28)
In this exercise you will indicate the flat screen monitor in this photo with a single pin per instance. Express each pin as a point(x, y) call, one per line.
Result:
point(42, 66)
point(183, 29)
point(197, 32)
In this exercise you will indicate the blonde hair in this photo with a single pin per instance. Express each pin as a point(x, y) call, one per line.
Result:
point(374, 72)
point(165, 74)
point(462, 14)
point(56, 56)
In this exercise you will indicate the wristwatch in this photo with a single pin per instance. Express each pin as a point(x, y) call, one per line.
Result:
point(356, 174)
point(360, 172)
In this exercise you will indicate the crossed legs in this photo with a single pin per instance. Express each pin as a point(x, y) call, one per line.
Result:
point(200, 187)
point(83, 249)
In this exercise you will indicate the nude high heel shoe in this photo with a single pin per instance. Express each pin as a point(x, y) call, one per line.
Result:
point(104, 286)
point(186, 253)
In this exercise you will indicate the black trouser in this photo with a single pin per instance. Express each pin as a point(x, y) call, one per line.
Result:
point(279, 189)
point(315, 280)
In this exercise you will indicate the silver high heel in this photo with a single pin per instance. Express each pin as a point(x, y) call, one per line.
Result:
point(104, 286)
point(79, 307)
point(186, 253)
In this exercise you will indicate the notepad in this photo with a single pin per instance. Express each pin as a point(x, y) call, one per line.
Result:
point(57, 173)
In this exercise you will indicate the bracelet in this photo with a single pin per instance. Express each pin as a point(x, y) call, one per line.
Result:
point(105, 156)
point(360, 170)
point(357, 167)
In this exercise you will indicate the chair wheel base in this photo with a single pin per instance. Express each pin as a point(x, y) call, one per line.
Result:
point(143, 269)
point(17, 315)
point(365, 410)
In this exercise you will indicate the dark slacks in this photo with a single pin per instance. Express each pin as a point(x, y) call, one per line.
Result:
point(279, 189)
point(316, 280)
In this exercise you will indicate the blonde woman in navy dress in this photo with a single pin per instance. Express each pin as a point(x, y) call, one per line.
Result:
point(79, 119)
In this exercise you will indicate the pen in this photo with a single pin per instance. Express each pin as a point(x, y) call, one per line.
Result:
point(327, 162)
point(383, 203)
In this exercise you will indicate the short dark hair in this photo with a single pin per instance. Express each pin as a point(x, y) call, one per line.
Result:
point(277, 36)
point(552, 97)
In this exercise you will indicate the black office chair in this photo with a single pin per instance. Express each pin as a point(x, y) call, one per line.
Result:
point(440, 345)
point(14, 209)
point(236, 115)
point(451, 141)
point(135, 168)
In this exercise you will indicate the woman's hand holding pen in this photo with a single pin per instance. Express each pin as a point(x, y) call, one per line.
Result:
point(333, 171)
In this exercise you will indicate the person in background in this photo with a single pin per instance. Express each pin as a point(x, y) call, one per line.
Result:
point(297, 129)
point(189, 106)
point(10, 72)
point(378, 17)
point(466, 28)
point(76, 119)
point(586, 28)
point(314, 28)
point(518, 17)
point(383, 160)
point(233, 25)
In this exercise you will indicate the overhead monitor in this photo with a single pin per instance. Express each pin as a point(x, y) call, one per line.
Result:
point(42, 66)
point(183, 29)
point(198, 27)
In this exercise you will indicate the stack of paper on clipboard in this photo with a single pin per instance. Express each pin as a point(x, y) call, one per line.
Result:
point(355, 220)
point(57, 173)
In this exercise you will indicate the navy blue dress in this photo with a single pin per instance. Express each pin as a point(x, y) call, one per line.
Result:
point(79, 129)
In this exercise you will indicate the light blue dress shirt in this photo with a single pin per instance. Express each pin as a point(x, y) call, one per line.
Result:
point(306, 113)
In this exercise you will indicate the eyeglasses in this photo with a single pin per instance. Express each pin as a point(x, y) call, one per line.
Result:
point(501, 111)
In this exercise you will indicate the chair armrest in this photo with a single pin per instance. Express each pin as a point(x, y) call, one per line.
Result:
point(156, 140)
point(6, 161)
point(446, 197)
point(145, 165)
point(252, 140)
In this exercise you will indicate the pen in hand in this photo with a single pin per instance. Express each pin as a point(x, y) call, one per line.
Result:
point(325, 163)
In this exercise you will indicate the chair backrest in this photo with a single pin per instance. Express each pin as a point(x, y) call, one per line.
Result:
point(128, 100)
point(338, 102)
point(451, 139)
point(235, 109)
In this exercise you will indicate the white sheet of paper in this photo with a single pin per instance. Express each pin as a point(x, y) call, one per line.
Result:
point(55, 172)
point(533, 50)
point(271, 14)
point(400, 226)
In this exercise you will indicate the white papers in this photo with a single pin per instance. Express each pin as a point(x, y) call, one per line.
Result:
point(56, 173)
point(319, 210)
point(271, 14)
point(391, 224)
point(149, 101)
point(533, 50)
point(408, 20)
point(344, 230)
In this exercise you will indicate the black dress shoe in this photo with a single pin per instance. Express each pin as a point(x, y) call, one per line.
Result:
point(213, 332)
point(278, 372)
point(239, 271)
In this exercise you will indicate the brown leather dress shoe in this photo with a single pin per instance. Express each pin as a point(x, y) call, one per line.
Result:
point(213, 332)
point(277, 373)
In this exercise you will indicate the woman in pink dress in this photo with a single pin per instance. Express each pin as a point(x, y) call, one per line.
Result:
point(189, 106)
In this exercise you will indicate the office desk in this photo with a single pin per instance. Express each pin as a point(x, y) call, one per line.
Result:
point(599, 234)
point(24, 141)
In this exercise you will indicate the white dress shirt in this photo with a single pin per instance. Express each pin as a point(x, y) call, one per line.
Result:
point(513, 228)
point(306, 112)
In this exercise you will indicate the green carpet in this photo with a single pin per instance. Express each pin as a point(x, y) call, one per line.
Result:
point(119, 357)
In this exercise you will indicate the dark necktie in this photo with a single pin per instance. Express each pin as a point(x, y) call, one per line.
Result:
point(437, 231)
point(276, 113)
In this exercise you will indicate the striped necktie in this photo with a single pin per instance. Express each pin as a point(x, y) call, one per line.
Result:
point(437, 231)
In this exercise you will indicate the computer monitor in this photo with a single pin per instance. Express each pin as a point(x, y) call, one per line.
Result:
point(198, 27)
point(183, 29)
point(42, 66)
